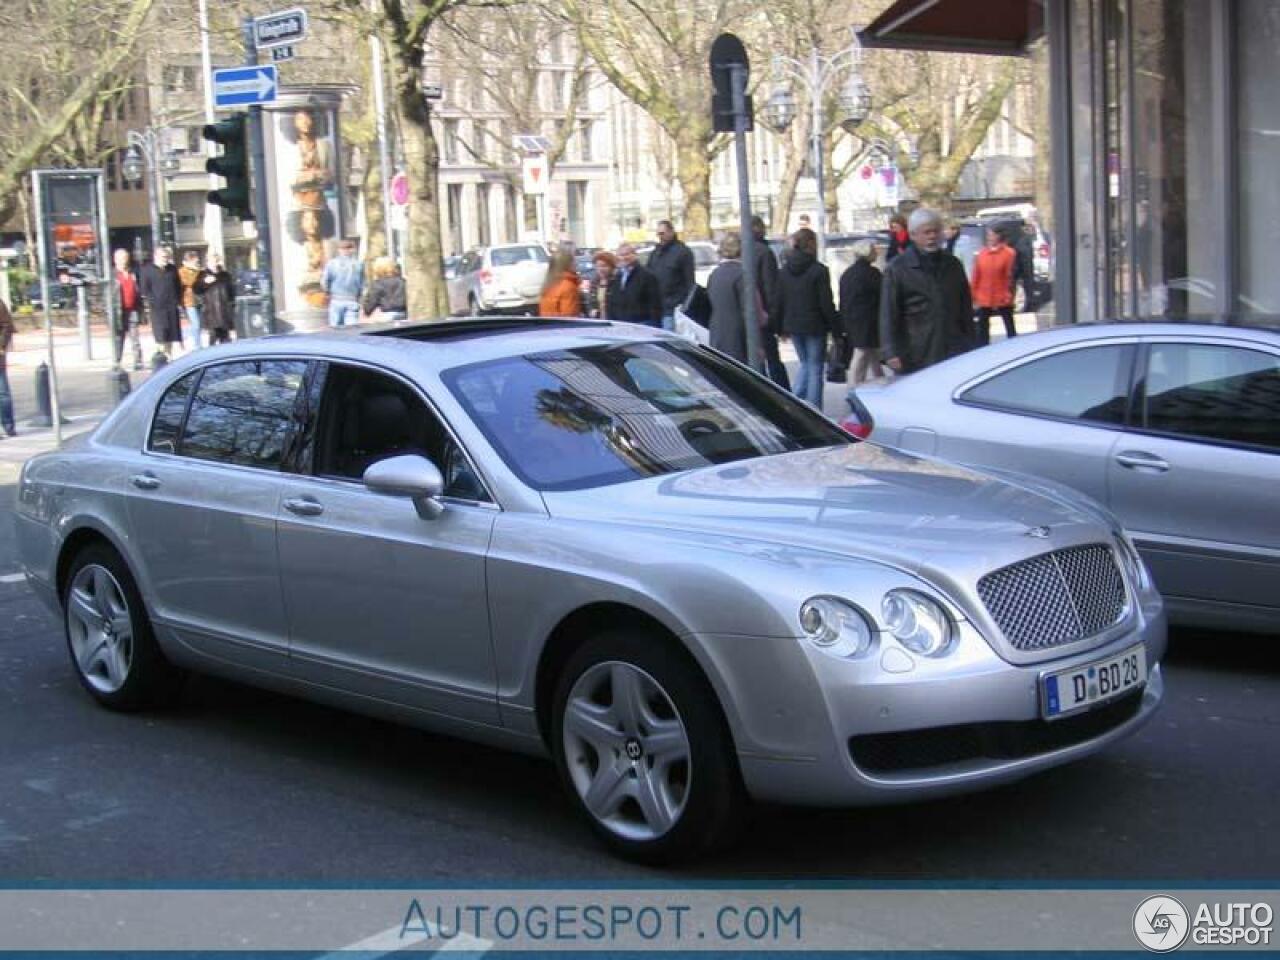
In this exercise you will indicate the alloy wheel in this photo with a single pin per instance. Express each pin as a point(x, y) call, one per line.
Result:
point(627, 750)
point(100, 628)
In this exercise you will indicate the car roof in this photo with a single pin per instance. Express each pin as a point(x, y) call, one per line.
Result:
point(432, 347)
point(976, 362)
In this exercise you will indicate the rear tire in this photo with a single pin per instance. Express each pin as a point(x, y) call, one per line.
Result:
point(109, 635)
point(643, 748)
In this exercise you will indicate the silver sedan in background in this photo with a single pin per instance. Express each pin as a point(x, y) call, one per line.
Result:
point(1174, 427)
point(598, 542)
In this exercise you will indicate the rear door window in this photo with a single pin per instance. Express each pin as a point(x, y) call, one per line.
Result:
point(243, 412)
point(506, 256)
point(1088, 383)
point(1211, 392)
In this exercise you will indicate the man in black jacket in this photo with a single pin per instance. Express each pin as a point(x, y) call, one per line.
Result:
point(633, 291)
point(926, 309)
point(767, 286)
point(671, 264)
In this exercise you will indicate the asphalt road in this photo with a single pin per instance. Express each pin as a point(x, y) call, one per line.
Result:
point(236, 785)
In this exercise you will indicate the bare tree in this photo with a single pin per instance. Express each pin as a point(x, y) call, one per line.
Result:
point(655, 52)
point(56, 98)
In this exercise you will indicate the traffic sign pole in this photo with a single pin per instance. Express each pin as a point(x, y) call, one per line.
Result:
point(262, 199)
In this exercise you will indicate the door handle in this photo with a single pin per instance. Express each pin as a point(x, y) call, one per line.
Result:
point(1137, 460)
point(304, 506)
point(145, 481)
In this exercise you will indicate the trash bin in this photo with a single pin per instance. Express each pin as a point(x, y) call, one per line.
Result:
point(251, 317)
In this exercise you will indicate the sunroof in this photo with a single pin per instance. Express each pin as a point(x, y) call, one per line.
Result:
point(481, 327)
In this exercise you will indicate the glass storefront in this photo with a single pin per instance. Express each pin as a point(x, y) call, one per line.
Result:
point(1257, 146)
point(1175, 137)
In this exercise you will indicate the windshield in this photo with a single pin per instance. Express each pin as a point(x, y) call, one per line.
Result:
point(592, 416)
point(506, 256)
point(705, 255)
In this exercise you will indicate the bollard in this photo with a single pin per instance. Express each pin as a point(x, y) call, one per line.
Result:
point(44, 401)
point(158, 360)
point(118, 385)
point(82, 318)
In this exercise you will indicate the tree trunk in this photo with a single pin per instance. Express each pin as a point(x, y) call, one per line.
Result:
point(693, 170)
point(424, 272)
point(374, 218)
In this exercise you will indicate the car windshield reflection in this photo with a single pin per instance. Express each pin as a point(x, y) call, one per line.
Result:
point(592, 416)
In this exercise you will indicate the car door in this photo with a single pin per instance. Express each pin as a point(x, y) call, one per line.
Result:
point(381, 602)
point(1197, 479)
point(1056, 414)
point(203, 497)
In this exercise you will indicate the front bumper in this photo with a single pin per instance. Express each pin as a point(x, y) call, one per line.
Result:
point(893, 728)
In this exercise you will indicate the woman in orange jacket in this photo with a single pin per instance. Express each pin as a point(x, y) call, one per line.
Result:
point(561, 296)
point(992, 285)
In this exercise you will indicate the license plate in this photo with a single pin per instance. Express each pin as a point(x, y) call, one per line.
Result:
point(1069, 691)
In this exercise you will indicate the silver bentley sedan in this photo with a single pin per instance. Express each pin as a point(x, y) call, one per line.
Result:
point(598, 542)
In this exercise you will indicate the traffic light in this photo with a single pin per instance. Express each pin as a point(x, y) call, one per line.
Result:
point(232, 166)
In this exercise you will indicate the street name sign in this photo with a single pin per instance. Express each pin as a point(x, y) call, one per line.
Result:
point(432, 91)
point(281, 54)
point(244, 86)
point(280, 29)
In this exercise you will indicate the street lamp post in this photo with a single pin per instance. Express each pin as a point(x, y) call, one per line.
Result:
point(145, 156)
point(816, 75)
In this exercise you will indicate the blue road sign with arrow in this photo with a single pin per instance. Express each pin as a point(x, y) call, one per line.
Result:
point(244, 86)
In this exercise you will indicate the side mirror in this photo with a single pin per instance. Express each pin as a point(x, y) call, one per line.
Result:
point(409, 476)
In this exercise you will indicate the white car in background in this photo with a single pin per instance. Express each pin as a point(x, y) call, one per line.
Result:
point(500, 279)
point(706, 257)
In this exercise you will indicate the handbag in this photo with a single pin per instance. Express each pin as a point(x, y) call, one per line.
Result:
point(838, 365)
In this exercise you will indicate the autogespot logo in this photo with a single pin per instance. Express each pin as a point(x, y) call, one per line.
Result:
point(1161, 924)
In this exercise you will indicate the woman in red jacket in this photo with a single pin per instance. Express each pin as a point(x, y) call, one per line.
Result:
point(992, 285)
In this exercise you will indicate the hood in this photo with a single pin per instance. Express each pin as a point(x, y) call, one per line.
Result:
point(860, 500)
point(799, 261)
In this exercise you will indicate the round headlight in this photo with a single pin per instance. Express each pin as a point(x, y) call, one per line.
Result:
point(835, 627)
point(916, 622)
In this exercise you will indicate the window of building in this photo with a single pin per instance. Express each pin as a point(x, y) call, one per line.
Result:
point(1090, 383)
point(450, 139)
point(242, 413)
point(1228, 394)
point(585, 131)
point(178, 79)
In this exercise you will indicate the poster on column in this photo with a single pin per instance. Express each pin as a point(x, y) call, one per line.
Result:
point(306, 147)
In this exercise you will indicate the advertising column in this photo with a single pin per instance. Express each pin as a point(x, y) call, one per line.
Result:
point(308, 202)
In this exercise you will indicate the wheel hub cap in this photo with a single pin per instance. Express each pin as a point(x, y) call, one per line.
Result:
point(627, 750)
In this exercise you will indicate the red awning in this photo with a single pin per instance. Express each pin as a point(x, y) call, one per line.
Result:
point(984, 26)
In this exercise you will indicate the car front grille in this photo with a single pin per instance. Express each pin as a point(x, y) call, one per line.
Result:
point(1055, 598)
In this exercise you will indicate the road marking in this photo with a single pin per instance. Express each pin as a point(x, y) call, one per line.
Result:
point(12, 577)
point(391, 940)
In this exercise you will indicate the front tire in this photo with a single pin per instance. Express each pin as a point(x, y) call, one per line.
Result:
point(641, 745)
point(109, 636)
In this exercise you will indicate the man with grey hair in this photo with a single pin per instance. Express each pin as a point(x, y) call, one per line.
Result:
point(926, 312)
